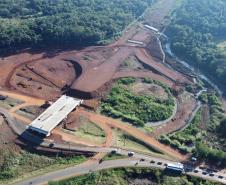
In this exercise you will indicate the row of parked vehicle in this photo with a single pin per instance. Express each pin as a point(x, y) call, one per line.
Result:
point(208, 171)
point(180, 168)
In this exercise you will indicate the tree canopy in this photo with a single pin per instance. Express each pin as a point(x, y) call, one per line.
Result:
point(195, 32)
point(222, 128)
point(79, 22)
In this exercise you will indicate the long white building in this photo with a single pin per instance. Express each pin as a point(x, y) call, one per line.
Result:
point(151, 28)
point(57, 112)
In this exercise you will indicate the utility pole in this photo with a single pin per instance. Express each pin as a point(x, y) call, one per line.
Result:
point(124, 136)
point(69, 146)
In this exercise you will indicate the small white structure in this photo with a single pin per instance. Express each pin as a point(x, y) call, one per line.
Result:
point(136, 42)
point(57, 112)
point(194, 80)
point(200, 92)
point(151, 28)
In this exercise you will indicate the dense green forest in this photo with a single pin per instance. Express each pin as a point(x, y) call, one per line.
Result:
point(197, 33)
point(55, 22)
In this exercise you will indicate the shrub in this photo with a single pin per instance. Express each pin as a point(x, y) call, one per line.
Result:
point(136, 109)
point(127, 80)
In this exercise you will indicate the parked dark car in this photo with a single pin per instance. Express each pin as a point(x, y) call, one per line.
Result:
point(204, 173)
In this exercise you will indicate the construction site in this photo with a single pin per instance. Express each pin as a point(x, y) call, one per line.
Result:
point(88, 74)
point(58, 94)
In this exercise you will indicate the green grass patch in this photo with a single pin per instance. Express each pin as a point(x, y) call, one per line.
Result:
point(90, 131)
point(125, 141)
point(113, 156)
point(149, 129)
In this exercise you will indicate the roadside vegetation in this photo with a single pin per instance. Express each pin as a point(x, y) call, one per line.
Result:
point(26, 23)
point(197, 34)
point(113, 156)
point(128, 142)
point(217, 113)
point(16, 163)
point(134, 108)
point(185, 140)
point(127, 176)
point(207, 143)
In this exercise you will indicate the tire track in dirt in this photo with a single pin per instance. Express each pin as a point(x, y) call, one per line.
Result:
point(7, 82)
point(41, 76)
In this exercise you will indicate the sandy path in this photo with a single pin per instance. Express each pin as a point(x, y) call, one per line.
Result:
point(26, 99)
point(134, 132)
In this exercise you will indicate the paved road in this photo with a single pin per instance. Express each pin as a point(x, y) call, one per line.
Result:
point(95, 166)
point(80, 170)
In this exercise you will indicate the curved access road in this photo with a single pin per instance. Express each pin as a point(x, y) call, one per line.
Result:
point(135, 133)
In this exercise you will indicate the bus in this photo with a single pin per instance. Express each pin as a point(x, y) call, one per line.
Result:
point(175, 167)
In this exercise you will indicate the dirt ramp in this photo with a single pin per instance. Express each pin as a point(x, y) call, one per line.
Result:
point(94, 78)
point(87, 95)
point(79, 94)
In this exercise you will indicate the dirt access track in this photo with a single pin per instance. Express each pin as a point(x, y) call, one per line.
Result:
point(86, 73)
